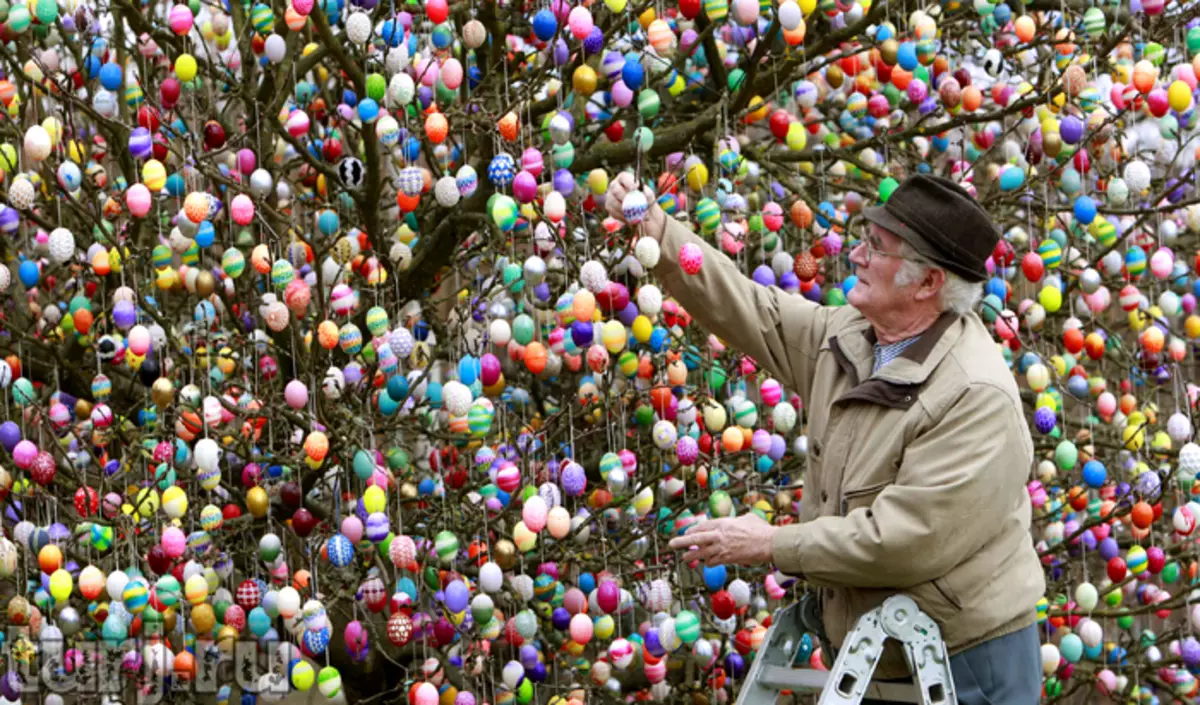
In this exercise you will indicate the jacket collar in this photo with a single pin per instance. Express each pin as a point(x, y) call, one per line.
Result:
point(917, 362)
point(896, 385)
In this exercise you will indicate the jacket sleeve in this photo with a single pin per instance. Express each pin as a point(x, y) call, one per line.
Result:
point(783, 332)
point(956, 483)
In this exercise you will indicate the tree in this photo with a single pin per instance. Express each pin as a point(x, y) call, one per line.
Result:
point(418, 192)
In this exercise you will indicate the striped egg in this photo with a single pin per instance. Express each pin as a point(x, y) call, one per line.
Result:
point(263, 18)
point(708, 214)
point(377, 321)
point(135, 596)
point(282, 273)
point(508, 477)
point(467, 181)
point(1135, 262)
point(377, 527)
point(211, 518)
point(445, 544)
point(350, 339)
point(1050, 253)
point(608, 463)
point(340, 550)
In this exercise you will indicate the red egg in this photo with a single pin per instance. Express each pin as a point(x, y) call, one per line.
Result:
point(1032, 266)
point(214, 135)
point(780, 122)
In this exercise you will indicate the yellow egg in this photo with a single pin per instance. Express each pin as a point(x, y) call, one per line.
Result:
point(598, 181)
point(374, 499)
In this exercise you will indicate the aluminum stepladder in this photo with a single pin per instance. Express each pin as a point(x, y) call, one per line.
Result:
point(849, 681)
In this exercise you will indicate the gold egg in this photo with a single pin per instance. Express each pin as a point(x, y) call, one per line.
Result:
point(203, 618)
point(834, 76)
point(505, 554)
point(162, 392)
point(257, 502)
point(226, 639)
point(408, 491)
point(889, 51)
point(205, 284)
point(83, 409)
point(1051, 144)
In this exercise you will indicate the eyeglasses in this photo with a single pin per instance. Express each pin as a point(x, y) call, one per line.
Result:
point(873, 247)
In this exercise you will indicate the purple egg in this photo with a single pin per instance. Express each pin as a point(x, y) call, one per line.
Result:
point(628, 314)
point(778, 447)
point(464, 698)
point(564, 182)
point(10, 435)
point(457, 595)
point(814, 293)
point(574, 479)
point(141, 143)
point(1190, 651)
point(764, 275)
point(1044, 420)
point(542, 291)
point(560, 618)
point(537, 673)
point(10, 219)
point(529, 655)
point(1071, 129)
point(789, 282)
point(653, 643)
point(1109, 549)
point(561, 53)
point(582, 333)
point(124, 314)
point(735, 665)
point(594, 42)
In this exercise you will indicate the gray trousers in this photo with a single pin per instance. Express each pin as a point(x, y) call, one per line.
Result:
point(1006, 670)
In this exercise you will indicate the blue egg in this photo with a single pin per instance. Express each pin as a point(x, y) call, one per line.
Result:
point(397, 388)
point(1085, 210)
point(906, 56)
point(1094, 473)
point(412, 148)
point(544, 25)
point(996, 287)
point(392, 33)
point(632, 72)
point(387, 405)
point(587, 582)
point(175, 186)
point(28, 273)
point(328, 222)
point(349, 97)
point(426, 486)
point(205, 234)
point(714, 577)
point(407, 586)
point(433, 394)
point(91, 66)
point(658, 339)
point(848, 283)
point(1012, 178)
point(368, 110)
point(468, 369)
point(110, 76)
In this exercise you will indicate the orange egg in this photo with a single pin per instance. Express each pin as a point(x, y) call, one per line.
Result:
point(100, 263)
point(1128, 404)
point(407, 203)
point(1152, 339)
point(316, 445)
point(436, 127)
point(731, 439)
point(327, 335)
point(1025, 28)
point(795, 37)
point(535, 357)
point(802, 215)
point(185, 665)
point(901, 78)
point(50, 558)
point(1145, 74)
point(83, 321)
point(972, 98)
point(300, 580)
point(510, 126)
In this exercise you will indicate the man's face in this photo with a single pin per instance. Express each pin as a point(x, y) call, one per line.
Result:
point(877, 260)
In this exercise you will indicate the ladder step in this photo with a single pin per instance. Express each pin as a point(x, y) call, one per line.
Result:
point(808, 680)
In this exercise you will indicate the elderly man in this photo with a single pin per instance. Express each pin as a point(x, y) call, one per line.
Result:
point(918, 447)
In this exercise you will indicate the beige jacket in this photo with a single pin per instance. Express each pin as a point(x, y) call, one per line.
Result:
point(916, 475)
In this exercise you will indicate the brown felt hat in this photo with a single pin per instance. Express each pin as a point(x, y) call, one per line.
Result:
point(942, 222)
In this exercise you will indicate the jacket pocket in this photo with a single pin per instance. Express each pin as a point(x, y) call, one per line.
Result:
point(948, 592)
point(862, 497)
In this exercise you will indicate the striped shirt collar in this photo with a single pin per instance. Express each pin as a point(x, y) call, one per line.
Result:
point(886, 353)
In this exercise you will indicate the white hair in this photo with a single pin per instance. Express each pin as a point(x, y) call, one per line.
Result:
point(957, 294)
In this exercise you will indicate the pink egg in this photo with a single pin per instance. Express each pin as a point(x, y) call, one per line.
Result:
point(524, 187)
point(296, 394)
point(303, 6)
point(427, 694)
point(246, 161)
point(24, 454)
point(174, 542)
point(531, 161)
point(580, 22)
point(1161, 263)
point(534, 513)
point(581, 628)
point(138, 340)
point(426, 72)
point(691, 258)
point(181, 19)
point(621, 94)
point(771, 392)
point(297, 123)
point(508, 477)
point(138, 199)
point(452, 74)
point(242, 209)
point(352, 528)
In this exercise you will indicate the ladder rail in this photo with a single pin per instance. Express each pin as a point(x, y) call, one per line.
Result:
point(850, 679)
